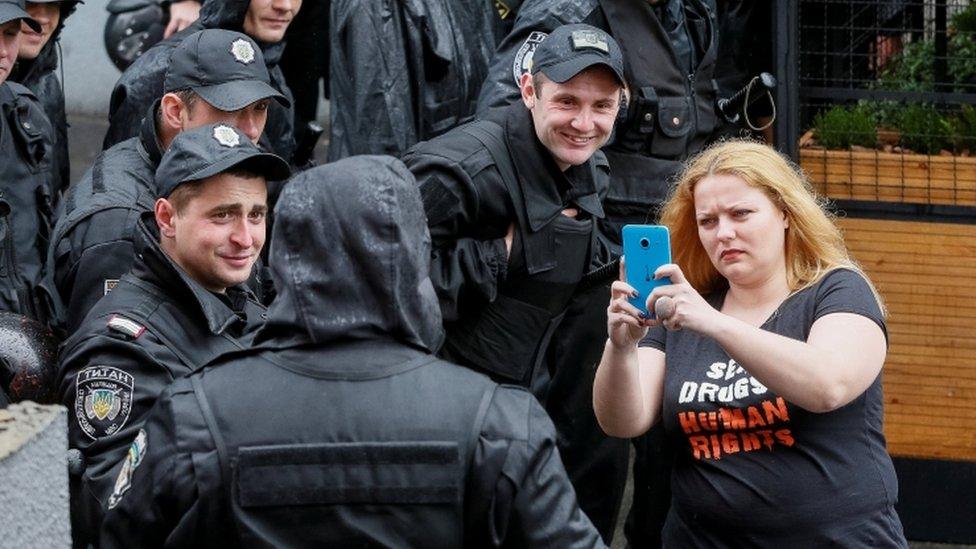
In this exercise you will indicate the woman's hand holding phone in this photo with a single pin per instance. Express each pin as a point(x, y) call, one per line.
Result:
point(626, 325)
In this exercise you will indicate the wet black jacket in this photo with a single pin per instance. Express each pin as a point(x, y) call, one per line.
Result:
point(671, 113)
point(500, 310)
point(156, 326)
point(40, 76)
point(93, 243)
point(25, 201)
point(406, 70)
point(340, 428)
point(142, 83)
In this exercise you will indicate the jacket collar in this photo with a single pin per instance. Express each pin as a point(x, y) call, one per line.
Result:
point(154, 266)
point(149, 136)
point(540, 178)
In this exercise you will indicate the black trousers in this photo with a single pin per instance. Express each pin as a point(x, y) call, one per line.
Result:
point(595, 462)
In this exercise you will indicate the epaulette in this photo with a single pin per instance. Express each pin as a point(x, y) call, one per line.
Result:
point(126, 326)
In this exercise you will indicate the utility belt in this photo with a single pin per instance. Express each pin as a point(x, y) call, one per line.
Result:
point(664, 126)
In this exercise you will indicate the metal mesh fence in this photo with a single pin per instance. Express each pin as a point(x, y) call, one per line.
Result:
point(887, 106)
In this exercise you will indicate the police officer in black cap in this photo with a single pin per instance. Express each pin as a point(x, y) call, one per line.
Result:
point(670, 49)
point(264, 21)
point(214, 76)
point(182, 304)
point(339, 428)
point(513, 202)
point(26, 183)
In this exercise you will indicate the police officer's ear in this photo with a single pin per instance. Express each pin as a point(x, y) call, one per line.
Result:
point(165, 216)
point(527, 87)
point(173, 112)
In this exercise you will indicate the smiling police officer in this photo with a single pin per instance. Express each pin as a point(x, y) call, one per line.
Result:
point(512, 202)
point(180, 306)
point(214, 76)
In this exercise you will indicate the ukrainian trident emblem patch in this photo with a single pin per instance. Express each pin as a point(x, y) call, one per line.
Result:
point(103, 400)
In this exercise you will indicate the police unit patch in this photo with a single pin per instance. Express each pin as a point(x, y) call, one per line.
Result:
point(126, 326)
point(589, 40)
point(523, 58)
point(243, 51)
point(132, 460)
point(503, 10)
point(108, 285)
point(226, 136)
point(103, 400)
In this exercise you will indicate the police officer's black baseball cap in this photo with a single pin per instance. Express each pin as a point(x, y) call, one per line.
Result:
point(571, 49)
point(225, 68)
point(212, 149)
point(15, 9)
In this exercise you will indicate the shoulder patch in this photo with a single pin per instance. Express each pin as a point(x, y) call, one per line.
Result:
point(103, 400)
point(523, 57)
point(108, 285)
point(124, 325)
point(132, 460)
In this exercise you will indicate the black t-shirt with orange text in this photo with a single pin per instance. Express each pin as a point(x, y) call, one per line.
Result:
point(749, 463)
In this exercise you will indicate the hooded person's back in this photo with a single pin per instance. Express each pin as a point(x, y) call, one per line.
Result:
point(340, 427)
point(142, 83)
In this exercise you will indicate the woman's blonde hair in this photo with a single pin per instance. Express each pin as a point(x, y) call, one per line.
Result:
point(814, 243)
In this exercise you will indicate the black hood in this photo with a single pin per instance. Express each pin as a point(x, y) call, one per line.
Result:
point(350, 257)
point(229, 15)
point(47, 60)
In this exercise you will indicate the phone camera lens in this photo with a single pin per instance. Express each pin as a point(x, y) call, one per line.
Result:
point(645, 243)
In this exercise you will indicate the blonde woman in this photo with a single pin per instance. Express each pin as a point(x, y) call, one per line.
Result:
point(766, 371)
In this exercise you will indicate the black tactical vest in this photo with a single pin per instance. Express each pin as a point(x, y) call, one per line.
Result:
point(671, 113)
point(378, 453)
point(508, 337)
point(25, 200)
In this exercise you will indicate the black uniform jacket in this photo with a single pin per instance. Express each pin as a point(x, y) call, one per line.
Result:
point(155, 326)
point(92, 244)
point(671, 111)
point(142, 83)
point(340, 428)
point(25, 200)
point(407, 70)
point(470, 204)
point(40, 76)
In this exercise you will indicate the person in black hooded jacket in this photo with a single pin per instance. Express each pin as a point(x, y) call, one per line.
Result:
point(142, 83)
point(340, 427)
point(36, 68)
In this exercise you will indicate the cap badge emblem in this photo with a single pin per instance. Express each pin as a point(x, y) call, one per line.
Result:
point(587, 39)
point(243, 51)
point(226, 136)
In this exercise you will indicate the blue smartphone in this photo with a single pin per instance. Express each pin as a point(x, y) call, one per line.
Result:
point(646, 247)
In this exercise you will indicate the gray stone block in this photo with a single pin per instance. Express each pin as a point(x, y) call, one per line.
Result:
point(34, 476)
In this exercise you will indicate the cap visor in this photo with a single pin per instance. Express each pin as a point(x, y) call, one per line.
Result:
point(9, 12)
point(235, 95)
point(269, 165)
point(565, 70)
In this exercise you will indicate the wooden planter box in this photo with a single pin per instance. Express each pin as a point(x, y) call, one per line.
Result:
point(891, 177)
